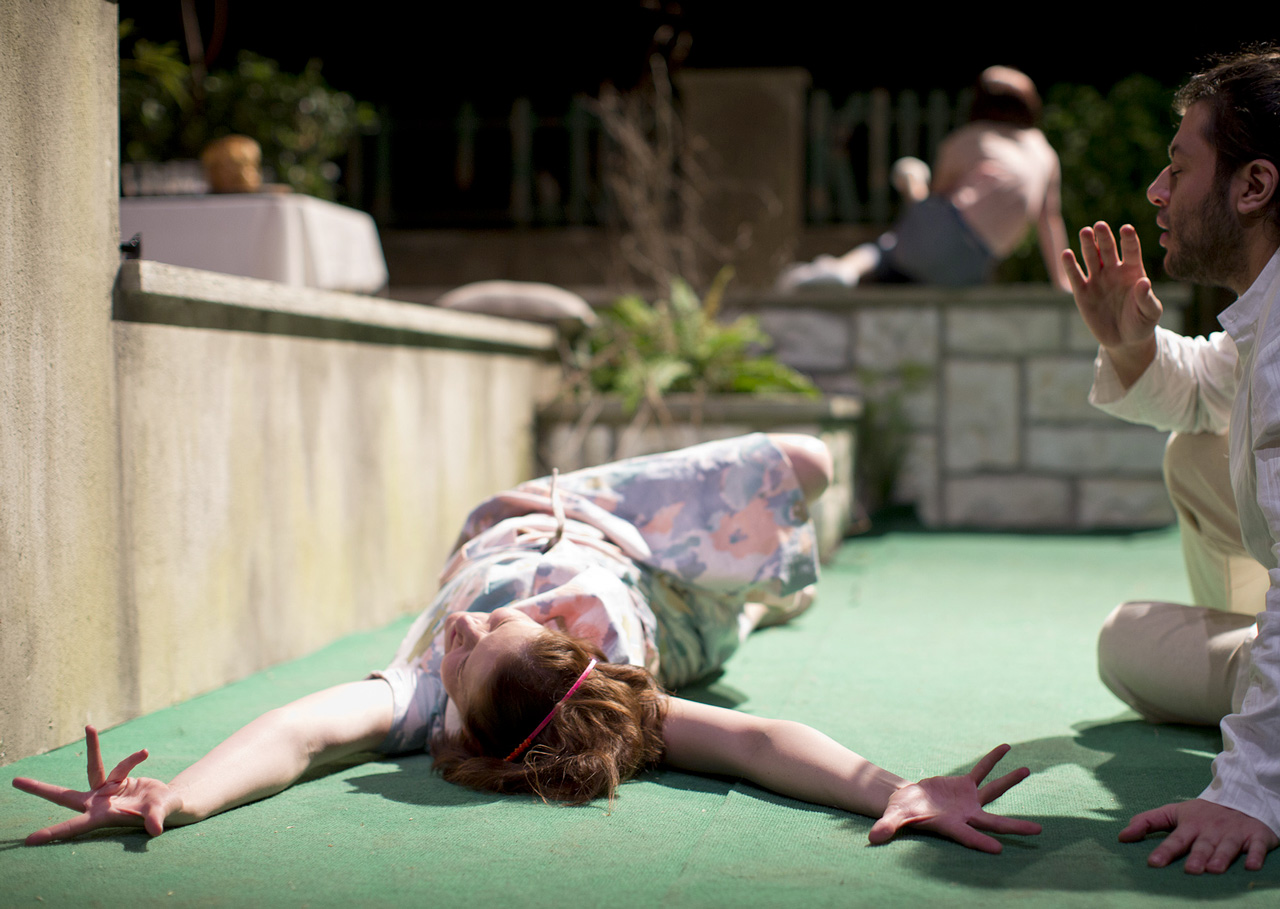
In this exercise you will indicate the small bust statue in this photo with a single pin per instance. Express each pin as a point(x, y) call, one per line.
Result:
point(233, 164)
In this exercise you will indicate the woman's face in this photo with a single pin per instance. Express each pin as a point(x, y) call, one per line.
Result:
point(475, 644)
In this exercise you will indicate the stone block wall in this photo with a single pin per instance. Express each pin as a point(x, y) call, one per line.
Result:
point(977, 403)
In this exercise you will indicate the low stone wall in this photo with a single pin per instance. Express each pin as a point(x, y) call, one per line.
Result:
point(572, 436)
point(977, 403)
point(296, 464)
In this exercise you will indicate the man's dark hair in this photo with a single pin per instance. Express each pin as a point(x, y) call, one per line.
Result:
point(1242, 92)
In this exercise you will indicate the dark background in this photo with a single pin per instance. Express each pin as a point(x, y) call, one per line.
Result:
point(418, 63)
point(430, 56)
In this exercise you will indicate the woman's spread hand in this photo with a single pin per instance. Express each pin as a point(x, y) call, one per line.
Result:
point(113, 800)
point(952, 806)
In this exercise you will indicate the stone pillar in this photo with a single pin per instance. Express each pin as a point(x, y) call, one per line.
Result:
point(751, 124)
point(65, 647)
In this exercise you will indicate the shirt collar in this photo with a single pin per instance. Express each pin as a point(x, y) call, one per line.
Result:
point(1240, 317)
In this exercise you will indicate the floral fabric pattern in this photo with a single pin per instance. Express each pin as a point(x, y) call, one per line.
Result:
point(654, 563)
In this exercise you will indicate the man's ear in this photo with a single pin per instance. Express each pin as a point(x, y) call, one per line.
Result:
point(1258, 183)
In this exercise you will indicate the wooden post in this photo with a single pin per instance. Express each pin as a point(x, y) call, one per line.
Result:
point(522, 162)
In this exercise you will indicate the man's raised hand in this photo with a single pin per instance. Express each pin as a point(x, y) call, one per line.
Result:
point(1113, 294)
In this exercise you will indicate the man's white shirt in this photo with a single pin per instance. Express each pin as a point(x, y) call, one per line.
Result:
point(1230, 381)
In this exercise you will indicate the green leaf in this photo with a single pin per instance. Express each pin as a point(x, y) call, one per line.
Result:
point(640, 350)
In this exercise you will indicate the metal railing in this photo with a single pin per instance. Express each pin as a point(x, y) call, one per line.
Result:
point(520, 168)
point(526, 168)
point(851, 149)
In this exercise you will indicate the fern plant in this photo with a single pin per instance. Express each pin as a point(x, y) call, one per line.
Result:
point(643, 351)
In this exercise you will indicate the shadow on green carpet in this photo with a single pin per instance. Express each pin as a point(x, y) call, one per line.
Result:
point(923, 651)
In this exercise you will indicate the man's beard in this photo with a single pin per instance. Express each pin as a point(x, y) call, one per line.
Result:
point(1209, 246)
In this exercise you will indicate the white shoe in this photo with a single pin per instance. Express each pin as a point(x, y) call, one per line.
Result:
point(911, 177)
point(823, 271)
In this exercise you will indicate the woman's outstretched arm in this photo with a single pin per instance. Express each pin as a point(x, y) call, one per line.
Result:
point(261, 759)
point(800, 762)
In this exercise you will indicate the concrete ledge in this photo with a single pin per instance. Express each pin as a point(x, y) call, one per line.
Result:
point(170, 295)
point(1173, 295)
point(750, 410)
point(566, 256)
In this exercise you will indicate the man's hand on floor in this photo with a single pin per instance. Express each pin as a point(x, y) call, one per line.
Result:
point(1209, 835)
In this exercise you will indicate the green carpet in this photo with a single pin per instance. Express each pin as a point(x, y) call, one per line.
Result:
point(923, 651)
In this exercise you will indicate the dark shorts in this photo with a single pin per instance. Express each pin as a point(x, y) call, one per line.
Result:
point(931, 244)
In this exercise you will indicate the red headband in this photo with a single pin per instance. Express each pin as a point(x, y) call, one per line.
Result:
point(543, 725)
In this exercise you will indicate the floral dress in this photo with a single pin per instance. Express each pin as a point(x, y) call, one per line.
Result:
point(651, 559)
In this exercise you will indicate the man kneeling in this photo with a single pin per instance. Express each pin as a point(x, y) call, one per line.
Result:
point(1219, 204)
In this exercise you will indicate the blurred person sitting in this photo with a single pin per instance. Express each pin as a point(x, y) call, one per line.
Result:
point(994, 177)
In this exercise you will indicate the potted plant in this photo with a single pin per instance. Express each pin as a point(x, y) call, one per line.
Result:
point(170, 110)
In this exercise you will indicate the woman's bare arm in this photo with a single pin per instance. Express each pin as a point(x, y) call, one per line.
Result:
point(261, 759)
point(273, 751)
point(798, 761)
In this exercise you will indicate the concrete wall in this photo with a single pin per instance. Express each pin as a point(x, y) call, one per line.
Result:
point(201, 475)
point(750, 124)
point(63, 633)
point(977, 402)
point(228, 474)
point(749, 129)
point(277, 467)
point(296, 470)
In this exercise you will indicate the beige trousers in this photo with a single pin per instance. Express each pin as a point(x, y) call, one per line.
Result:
point(1186, 664)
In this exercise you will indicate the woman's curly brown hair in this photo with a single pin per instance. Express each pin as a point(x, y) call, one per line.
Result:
point(607, 732)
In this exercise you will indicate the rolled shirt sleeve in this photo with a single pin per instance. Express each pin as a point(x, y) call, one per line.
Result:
point(1189, 387)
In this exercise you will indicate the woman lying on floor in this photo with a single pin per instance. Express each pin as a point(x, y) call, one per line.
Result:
point(568, 606)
